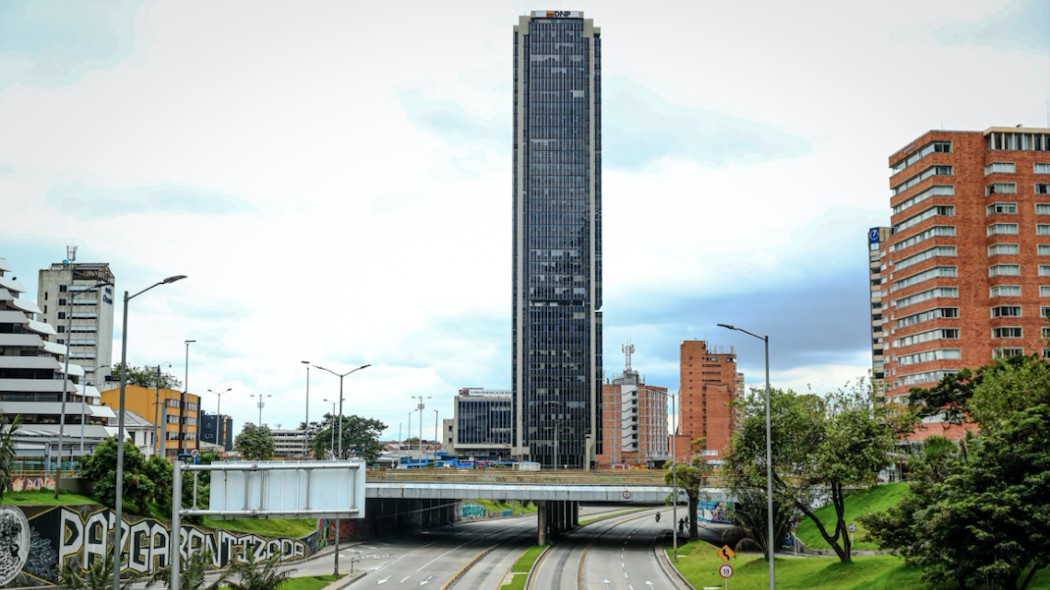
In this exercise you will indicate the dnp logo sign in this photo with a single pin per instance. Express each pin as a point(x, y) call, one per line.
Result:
point(560, 14)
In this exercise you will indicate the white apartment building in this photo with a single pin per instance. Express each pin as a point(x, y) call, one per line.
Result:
point(81, 312)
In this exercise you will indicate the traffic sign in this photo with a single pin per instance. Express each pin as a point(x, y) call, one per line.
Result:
point(725, 570)
point(726, 553)
point(852, 527)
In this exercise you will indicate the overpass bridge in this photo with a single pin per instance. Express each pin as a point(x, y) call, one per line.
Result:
point(556, 493)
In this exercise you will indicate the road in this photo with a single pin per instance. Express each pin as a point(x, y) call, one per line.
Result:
point(613, 553)
point(610, 554)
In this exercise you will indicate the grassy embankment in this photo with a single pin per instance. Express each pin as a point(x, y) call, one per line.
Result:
point(273, 527)
point(698, 561)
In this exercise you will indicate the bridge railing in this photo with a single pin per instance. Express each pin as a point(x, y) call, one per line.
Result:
point(563, 476)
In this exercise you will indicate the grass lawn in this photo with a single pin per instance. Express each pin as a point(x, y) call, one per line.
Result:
point(519, 572)
point(45, 497)
point(309, 582)
point(274, 527)
point(858, 502)
point(699, 563)
point(493, 506)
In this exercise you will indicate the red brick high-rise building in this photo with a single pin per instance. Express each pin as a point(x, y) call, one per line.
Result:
point(964, 274)
point(634, 421)
point(708, 381)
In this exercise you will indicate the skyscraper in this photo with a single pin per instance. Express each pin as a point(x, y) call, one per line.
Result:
point(965, 271)
point(557, 326)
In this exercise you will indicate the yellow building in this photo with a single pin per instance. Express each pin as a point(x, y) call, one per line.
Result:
point(160, 407)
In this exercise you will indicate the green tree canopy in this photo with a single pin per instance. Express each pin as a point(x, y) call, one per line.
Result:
point(691, 477)
point(147, 377)
point(255, 442)
point(8, 428)
point(821, 446)
point(977, 514)
point(360, 437)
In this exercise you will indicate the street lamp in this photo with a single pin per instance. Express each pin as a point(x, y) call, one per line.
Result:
point(83, 413)
point(769, 452)
point(220, 424)
point(65, 382)
point(306, 427)
point(333, 402)
point(182, 401)
point(674, 472)
point(158, 428)
point(436, 441)
point(340, 452)
point(261, 396)
point(118, 506)
point(420, 407)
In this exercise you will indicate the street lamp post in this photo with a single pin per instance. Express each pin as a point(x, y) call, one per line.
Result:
point(65, 382)
point(340, 455)
point(219, 422)
point(306, 424)
point(118, 506)
point(83, 414)
point(436, 441)
point(182, 402)
point(158, 428)
point(769, 453)
point(420, 407)
point(261, 396)
point(332, 450)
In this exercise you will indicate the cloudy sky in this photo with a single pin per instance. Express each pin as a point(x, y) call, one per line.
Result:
point(334, 177)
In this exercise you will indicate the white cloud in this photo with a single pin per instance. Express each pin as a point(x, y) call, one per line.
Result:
point(361, 158)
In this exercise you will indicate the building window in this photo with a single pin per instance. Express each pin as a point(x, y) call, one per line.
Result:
point(999, 270)
point(1006, 311)
point(932, 273)
point(927, 173)
point(926, 356)
point(1005, 291)
point(935, 190)
point(1002, 229)
point(1006, 351)
point(943, 210)
point(1001, 249)
point(1002, 208)
point(930, 148)
point(928, 294)
point(1042, 208)
point(1003, 167)
point(925, 255)
point(1006, 332)
point(1044, 290)
point(1044, 270)
point(1042, 229)
point(1000, 188)
point(1044, 311)
point(1041, 168)
point(933, 232)
point(1042, 188)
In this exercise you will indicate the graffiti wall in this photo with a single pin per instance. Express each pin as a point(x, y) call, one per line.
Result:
point(34, 540)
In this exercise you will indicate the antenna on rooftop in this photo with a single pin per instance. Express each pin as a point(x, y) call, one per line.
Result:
point(628, 350)
point(71, 253)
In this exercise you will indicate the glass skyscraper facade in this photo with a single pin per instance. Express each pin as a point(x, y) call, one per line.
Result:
point(557, 327)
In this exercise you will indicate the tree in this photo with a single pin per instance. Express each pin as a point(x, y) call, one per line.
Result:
point(255, 442)
point(750, 521)
point(821, 446)
point(147, 377)
point(691, 477)
point(140, 487)
point(7, 449)
point(978, 514)
point(257, 575)
point(98, 576)
point(985, 395)
point(193, 571)
point(360, 437)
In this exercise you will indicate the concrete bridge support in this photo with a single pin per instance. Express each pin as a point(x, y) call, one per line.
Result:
point(554, 517)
